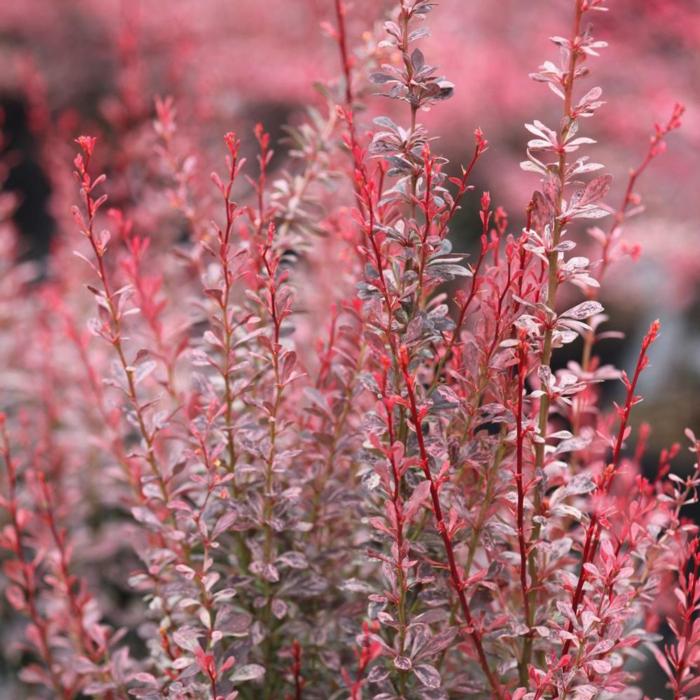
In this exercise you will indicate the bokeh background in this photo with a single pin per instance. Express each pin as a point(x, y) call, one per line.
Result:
point(95, 66)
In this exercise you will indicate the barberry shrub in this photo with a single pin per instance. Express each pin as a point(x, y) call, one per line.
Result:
point(285, 442)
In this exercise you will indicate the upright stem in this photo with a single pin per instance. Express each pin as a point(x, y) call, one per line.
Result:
point(349, 98)
point(629, 199)
point(224, 260)
point(27, 568)
point(98, 250)
point(401, 547)
point(455, 575)
point(552, 286)
point(296, 670)
point(519, 443)
point(272, 454)
point(594, 529)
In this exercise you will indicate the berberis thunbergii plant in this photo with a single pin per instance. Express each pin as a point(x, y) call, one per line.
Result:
point(308, 450)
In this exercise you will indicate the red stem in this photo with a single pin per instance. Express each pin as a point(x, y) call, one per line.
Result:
point(296, 670)
point(520, 438)
point(28, 567)
point(442, 528)
point(655, 142)
point(594, 530)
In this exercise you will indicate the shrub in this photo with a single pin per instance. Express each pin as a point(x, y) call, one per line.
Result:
point(337, 459)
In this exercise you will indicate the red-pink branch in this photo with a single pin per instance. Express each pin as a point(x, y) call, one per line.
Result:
point(417, 416)
point(594, 530)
